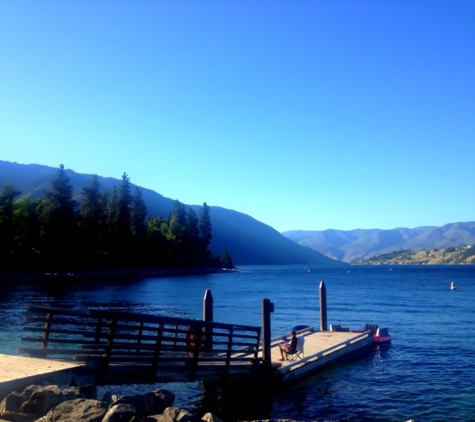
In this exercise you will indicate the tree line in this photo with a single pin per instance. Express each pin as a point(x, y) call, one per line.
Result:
point(107, 229)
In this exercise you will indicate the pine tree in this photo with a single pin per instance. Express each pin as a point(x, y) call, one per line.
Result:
point(204, 224)
point(8, 230)
point(192, 223)
point(59, 220)
point(157, 251)
point(119, 222)
point(177, 221)
point(124, 202)
point(93, 221)
point(226, 260)
point(28, 245)
point(92, 206)
point(138, 214)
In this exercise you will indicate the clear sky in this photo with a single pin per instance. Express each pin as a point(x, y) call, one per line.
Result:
point(306, 114)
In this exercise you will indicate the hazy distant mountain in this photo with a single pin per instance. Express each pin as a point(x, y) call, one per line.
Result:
point(353, 245)
point(246, 239)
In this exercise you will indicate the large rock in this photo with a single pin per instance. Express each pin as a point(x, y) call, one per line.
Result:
point(12, 402)
point(41, 399)
point(77, 410)
point(121, 413)
point(37, 400)
point(150, 403)
point(79, 404)
point(176, 414)
point(17, 417)
point(209, 417)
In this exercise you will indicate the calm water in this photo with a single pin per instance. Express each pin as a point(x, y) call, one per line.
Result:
point(427, 373)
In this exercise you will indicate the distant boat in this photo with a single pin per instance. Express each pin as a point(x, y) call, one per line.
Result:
point(452, 285)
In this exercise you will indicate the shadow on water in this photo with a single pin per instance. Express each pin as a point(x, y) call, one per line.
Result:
point(263, 401)
point(236, 402)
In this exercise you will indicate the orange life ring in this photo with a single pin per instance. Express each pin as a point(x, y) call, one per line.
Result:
point(191, 337)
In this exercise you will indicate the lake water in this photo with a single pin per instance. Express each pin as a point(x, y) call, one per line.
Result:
point(427, 373)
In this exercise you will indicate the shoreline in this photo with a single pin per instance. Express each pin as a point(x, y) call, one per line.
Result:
point(106, 273)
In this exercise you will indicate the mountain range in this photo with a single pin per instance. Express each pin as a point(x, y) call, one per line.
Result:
point(354, 245)
point(249, 241)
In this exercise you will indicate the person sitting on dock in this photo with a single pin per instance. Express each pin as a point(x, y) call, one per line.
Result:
point(288, 347)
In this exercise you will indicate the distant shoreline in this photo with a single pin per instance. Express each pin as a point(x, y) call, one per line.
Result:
point(104, 273)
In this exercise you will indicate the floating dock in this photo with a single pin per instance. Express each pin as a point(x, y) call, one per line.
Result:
point(321, 349)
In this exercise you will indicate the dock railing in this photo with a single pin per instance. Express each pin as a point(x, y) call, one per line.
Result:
point(159, 345)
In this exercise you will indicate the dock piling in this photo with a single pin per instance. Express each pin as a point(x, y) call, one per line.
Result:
point(323, 306)
point(208, 317)
point(267, 309)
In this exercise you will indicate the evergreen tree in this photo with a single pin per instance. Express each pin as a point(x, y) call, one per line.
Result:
point(157, 251)
point(138, 214)
point(7, 226)
point(177, 221)
point(226, 260)
point(59, 220)
point(112, 209)
point(119, 222)
point(125, 201)
point(174, 229)
point(28, 245)
point(93, 220)
point(192, 223)
point(204, 224)
point(92, 210)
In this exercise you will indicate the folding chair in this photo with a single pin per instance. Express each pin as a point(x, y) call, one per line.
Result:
point(297, 354)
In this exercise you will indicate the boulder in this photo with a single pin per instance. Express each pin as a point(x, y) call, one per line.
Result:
point(121, 413)
point(77, 410)
point(209, 417)
point(16, 417)
point(148, 404)
point(12, 402)
point(41, 399)
point(176, 414)
point(79, 404)
point(109, 398)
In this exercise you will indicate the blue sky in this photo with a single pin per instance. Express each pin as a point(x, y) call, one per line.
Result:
point(307, 115)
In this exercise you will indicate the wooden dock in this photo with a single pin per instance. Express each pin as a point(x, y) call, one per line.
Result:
point(321, 349)
point(107, 347)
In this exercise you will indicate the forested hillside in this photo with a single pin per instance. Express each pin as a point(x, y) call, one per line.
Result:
point(107, 229)
point(234, 234)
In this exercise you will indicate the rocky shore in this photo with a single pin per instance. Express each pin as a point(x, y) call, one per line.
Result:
point(80, 404)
